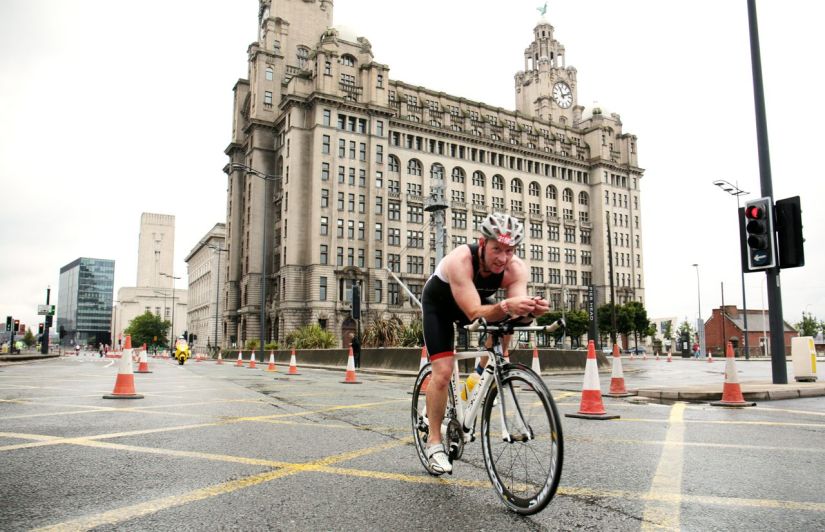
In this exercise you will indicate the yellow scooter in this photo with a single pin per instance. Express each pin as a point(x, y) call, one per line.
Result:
point(181, 351)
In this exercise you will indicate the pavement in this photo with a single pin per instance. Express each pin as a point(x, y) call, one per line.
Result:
point(752, 390)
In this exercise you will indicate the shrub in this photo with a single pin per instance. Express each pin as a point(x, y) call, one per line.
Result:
point(311, 337)
point(383, 333)
point(252, 344)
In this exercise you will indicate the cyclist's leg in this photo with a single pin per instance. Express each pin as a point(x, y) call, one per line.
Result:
point(442, 370)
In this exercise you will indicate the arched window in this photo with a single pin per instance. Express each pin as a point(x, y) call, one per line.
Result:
point(478, 179)
point(567, 195)
point(584, 199)
point(414, 167)
point(347, 60)
point(550, 192)
point(458, 175)
point(535, 189)
point(436, 171)
point(516, 186)
point(393, 163)
point(498, 182)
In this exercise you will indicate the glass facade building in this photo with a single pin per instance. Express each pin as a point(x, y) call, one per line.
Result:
point(84, 302)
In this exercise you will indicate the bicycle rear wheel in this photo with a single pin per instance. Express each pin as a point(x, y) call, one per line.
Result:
point(525, 472)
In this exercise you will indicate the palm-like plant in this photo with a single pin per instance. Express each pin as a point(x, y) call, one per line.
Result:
point(383, 333)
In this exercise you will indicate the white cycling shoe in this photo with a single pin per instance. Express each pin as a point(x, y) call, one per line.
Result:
point(438, 460)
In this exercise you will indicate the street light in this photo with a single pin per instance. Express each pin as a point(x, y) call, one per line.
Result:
point(264, 281)
point(734, 190)
point(172, 337)
point(701, 323)
point(218, 250)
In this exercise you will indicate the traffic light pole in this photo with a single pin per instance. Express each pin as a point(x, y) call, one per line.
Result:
point(44, 342)
point(777, 323)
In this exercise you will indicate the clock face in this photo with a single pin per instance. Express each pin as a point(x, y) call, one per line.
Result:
point(562, 95)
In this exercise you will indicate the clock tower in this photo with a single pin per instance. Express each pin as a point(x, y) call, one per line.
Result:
point(546, 88)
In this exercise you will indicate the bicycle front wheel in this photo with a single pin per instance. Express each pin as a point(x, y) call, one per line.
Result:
point(525, 468)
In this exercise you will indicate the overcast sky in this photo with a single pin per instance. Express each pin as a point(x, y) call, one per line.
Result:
point(110, 109)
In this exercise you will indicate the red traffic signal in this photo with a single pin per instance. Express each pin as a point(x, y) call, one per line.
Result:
point(758, 235)
point(41, 328)
point(16, 326)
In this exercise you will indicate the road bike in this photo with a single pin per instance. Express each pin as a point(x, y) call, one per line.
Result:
point(523, 452)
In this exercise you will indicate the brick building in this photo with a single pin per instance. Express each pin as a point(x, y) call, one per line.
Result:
point(759, 331)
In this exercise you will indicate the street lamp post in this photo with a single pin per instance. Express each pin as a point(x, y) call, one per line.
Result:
point(174, 298)
point(700, 322)
point(264, 281)
point(734, 190)
point(218, 250)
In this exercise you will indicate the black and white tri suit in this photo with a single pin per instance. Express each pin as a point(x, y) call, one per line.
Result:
point(441, 311)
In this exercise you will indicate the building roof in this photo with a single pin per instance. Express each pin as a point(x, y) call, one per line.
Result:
point(757, 321)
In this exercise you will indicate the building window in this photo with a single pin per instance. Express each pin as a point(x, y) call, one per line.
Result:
point(516, 186)
point(379, 154)
point(325, 144)
point(414, 167)
point(322, 295)
point(380, 81)
point(478, 179)
point(392, 294)
point(267, 98)
point(498, 182)
point(567, 195)
point(339, 232)
point(339, 257)
point(347, 60)
point(394, 208)
point(269, 74)
point(458, 175)
point(324, 171)
point(327, 68)
point(379, 259)
point(436, 171)
point(379, 290)
point(324, 225)
point(303, 55)
point(550, 192)
point(379, 232)
point(324, 254)
point(393, 164)
point(584, 199)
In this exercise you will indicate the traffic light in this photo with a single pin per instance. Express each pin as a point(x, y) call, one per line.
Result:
point(356, 302)
point(41, 328)
point(758, 235)
point(789, 233)
point(8, 323)
point(16, 326)
point(49, 319)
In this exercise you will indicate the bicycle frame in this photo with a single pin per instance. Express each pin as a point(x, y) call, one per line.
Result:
point(466, 415)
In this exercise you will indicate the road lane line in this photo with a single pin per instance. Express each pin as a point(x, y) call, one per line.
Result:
point(668, 477)
point(721, 422)
point(138, 510)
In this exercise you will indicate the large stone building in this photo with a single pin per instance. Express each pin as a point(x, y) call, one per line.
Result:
point(205, 286)
point(353, 159)
point(155, 290)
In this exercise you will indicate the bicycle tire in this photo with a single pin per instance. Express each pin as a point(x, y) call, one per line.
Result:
point(420, 429)
point(528, 488)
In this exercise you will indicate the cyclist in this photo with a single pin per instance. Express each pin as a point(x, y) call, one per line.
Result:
point(461, 290)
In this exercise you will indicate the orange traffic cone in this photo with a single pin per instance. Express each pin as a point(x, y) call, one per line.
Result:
point(710, 356)
point(536, 363)
point(617, 387)
point(731, 391)
point(125, 382)
point(670, 354)
point(591, 406)
point(271, 366)
point(239, 363)
point(252, 360)
point(293, 367)
point(644, 355)
point(143, 366)
point(350, 377)
point(424, 361)
point(220, 358)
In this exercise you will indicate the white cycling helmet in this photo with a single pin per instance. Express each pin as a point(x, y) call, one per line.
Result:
point(503, 228)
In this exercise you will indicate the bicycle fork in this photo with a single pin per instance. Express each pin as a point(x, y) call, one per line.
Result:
point(523, 433)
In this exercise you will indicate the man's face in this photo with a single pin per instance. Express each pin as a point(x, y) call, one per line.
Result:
point(496, 255)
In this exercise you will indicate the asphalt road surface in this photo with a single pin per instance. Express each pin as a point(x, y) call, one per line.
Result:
point(221, 447)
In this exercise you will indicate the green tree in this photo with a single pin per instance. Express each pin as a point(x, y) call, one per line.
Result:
point(144, 328)
point(383, 333)
point(253, 344)
point(637, 320)
point(809, 325)
point(29, 338)
point(311, 336)
point(668, 334)
point(577, 325)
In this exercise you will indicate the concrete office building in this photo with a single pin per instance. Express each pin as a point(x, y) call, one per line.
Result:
point(84, 301)
point(354, 158)
point(204, 264)
point(155, 290)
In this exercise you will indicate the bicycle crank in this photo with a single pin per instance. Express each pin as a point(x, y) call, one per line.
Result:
point(456, 438)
